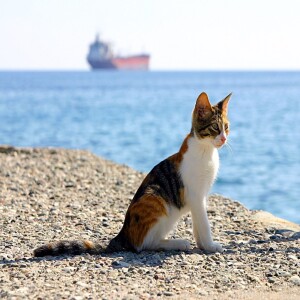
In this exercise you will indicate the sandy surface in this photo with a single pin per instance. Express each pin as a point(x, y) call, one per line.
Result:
point(52, 194)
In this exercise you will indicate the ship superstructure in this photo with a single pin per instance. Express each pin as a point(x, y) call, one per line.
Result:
point(100, 56)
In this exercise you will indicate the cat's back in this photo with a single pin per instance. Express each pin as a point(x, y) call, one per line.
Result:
point(163, 180)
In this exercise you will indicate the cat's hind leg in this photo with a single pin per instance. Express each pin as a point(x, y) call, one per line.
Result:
point(148, 222)
point(156, 236)
point(143, 228)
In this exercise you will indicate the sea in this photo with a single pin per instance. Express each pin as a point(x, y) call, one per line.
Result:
point(140, 118)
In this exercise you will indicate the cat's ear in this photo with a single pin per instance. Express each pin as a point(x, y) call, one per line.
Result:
point(203, 107)
point(223, 105)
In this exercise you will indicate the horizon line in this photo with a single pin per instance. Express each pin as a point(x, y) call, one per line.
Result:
point(151, 70)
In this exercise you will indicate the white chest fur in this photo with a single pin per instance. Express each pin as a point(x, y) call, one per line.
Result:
point(198, 170)
point(199, 167)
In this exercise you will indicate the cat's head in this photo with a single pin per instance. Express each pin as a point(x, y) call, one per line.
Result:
point(209, 122)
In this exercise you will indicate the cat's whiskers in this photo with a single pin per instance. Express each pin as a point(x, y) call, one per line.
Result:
point(229, 147)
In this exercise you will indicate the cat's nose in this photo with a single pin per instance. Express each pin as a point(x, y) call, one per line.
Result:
point(223, 139)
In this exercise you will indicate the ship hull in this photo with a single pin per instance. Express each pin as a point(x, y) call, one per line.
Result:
point(101, 64)
point(136, 62)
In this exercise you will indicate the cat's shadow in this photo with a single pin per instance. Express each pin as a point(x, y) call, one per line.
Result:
point(157, 258)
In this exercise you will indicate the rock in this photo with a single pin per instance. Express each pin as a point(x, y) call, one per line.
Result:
point(70, 184)
point(82, 284)
point(202, 292)
point(77, 298)
point(283, 274)
point(68, 269)
point(293, 257)
point(120, 264)
point(295, 280)
point(284, 232)
point(271, 221)
point(5, 256)
point(296, 235)
point(275, 237)
point(271, 280)
point(254, 278)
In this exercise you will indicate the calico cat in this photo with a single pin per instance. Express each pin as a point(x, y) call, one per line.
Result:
point(175, 186)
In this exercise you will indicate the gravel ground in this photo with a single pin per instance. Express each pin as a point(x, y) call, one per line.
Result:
point(52, 194)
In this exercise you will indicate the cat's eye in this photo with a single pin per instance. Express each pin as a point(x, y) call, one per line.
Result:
point(215, 126)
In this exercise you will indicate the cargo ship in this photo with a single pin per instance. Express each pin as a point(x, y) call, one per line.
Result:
point(100, 56)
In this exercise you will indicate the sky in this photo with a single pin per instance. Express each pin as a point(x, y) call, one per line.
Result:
point(179, 34)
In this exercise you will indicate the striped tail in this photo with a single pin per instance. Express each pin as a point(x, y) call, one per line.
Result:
point(78, 247)
point(69, 248)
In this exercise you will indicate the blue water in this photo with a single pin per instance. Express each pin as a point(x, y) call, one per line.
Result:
point(139, 118)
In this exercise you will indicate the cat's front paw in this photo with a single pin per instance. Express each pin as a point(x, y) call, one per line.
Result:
point(212, 247)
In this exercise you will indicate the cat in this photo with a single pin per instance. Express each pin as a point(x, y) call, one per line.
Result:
point(174, 187)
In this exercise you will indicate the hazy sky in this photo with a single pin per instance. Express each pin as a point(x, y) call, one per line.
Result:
point(179, 34)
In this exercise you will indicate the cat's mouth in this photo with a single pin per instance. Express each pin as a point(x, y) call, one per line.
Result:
point(219, 144)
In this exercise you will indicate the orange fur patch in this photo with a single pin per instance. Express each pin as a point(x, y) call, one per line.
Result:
point(143, 215)
point(184, 146)
point(177, 158)
point(88, 244)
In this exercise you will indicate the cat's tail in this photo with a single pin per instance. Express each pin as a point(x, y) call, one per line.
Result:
point(77, 247)
point(69, 248)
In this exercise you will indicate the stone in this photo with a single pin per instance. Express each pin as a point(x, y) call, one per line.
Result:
point(82, 284)
point(283, 274)
point(295, 280)
point(68, 269)
point(296, 235)
point(5, 256)
point(293, 257)
point(271, 280)
point(120, 264)
point(284, 232)
point(254, 278)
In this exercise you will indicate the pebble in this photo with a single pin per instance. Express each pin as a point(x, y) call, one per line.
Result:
point(295, 280)
point(271, 280)
point(284, 232)
point(293, 257)
point(296, 235)
point(5, 256)
point(254, 278)
point(82, 284)
point(120, 264)
point(68, 269)
point(284, 274)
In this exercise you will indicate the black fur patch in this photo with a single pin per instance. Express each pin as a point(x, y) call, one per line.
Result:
point(42, 251)
point(163, 181)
